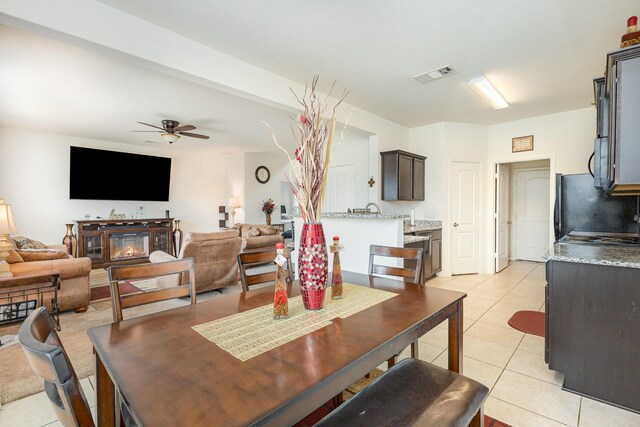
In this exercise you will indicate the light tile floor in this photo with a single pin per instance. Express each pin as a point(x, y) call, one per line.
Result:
point(524, 392)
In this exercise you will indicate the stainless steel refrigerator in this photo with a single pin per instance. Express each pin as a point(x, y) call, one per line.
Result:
point(580, 206)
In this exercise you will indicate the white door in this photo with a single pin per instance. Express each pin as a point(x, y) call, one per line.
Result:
point(341, 189)
point(465, 217)
point(502, 217)
point(532, 214)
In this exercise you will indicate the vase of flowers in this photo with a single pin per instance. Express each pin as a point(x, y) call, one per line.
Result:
point(309, 165)
point(267, 207)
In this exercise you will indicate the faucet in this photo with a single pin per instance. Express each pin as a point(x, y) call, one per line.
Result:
point(366, 208)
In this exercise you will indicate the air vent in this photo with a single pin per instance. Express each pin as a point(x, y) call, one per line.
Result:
point(435, 74)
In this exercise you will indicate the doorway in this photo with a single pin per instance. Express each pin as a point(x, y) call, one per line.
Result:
point(522, 211)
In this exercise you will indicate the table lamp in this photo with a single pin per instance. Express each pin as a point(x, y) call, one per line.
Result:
point(7, 226)
point(234, 203)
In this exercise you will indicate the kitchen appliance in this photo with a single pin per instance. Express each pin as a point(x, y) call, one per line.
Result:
point(616, 239)
point(580, 206)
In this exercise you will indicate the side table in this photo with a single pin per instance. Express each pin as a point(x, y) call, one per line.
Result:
point(21, 294)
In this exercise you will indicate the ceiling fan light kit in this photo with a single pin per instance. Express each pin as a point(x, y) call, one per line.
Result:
point(172, 130)
point(170, 137)
point(490, 94)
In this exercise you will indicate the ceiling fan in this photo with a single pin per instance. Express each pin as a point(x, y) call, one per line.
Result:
point(171, 131)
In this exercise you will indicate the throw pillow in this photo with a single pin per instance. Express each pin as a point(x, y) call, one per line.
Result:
point(41, 255)
point(14, 257)
point(254, 232)
point(26, 243)
point(267, 230)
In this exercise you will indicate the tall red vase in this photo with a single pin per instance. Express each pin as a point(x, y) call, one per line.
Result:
point(313, 265)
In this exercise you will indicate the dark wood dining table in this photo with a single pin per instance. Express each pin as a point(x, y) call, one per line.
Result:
point(170, 375)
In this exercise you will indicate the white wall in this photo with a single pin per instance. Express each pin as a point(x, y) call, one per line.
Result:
point(34, 178)
point(255, 192)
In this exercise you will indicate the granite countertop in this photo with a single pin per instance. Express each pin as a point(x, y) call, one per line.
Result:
point(422, 225)
point(587, 253)
point(413, 239)
point(362, 216)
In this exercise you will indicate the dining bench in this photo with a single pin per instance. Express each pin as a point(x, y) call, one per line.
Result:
point(413, 393)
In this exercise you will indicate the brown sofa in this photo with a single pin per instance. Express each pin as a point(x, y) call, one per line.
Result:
point(214, 256)
point(258, 237)
point(74, 293)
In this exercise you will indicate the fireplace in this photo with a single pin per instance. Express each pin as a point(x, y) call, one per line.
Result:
point(126, 246)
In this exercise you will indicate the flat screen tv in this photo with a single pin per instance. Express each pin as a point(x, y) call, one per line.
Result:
point(111, 175)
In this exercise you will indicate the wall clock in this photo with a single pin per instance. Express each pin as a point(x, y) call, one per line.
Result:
point(263, 174)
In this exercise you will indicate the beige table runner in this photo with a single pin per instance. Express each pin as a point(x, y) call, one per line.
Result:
point(251, 333)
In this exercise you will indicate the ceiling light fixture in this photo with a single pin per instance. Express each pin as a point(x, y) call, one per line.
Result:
point(170, 137)
point(485, 89)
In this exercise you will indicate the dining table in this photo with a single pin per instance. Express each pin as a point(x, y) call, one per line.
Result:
point(170, 374)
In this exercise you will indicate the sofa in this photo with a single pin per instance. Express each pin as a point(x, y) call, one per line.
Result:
point(74, 293)
point(214, 256)
point(258, 237)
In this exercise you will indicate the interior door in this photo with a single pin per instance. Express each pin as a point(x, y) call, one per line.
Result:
point(502, 217)
point(466, 217)
point(532, 214)
point(341, 189)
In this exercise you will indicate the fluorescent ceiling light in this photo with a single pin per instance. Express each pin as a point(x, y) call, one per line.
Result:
point(485, 89)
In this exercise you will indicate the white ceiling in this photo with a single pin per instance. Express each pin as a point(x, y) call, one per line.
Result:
point(541, 55)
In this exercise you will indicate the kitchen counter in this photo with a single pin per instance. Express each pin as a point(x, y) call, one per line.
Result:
point(413, 239)
point(588, 253)
point(362, 215)
point(422, 225)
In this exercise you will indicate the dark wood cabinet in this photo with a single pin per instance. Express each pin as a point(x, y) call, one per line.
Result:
point(432, 261)
point(110, 242)
point(402, 176)
point(617, 98)
point(593, 330)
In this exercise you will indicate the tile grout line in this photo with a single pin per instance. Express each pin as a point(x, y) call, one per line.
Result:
point(531, 412)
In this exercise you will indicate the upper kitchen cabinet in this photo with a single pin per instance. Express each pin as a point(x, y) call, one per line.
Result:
point(623, 93)
point(402, 175)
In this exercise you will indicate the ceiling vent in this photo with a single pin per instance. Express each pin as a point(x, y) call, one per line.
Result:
point(435, 74)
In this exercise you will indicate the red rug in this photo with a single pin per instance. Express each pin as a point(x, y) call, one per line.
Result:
point(104, 291)
point(531, 322)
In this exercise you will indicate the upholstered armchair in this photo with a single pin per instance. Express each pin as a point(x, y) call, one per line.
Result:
point(215, 258)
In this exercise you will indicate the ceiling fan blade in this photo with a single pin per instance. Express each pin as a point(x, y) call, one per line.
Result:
point(153, 142)
point(154, 131)
point(194, 135)
point(153, 126)
point(184, 128)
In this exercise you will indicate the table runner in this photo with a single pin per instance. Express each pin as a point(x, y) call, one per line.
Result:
point(251, 333)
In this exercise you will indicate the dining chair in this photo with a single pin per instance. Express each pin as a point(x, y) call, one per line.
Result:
point(176, 268)
point(249, 261)
point(411, 274)
point(48, 359)
point(413, 393)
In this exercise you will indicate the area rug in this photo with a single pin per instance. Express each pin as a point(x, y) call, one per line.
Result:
point(531, 322)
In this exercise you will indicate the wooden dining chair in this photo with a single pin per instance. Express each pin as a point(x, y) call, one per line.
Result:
point(48, 359)
point(249, 261)
point(176, 268)
point(410, 274)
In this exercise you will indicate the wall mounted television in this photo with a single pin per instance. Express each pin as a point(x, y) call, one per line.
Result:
point(112, 175)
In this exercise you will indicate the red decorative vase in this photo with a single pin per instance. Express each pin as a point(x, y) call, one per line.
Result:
point(313, 265)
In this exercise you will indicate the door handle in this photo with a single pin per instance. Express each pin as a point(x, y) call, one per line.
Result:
point(455, 224)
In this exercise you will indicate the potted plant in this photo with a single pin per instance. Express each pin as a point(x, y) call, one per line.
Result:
point(268, 207)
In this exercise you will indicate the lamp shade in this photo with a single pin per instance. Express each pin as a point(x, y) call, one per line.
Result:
point(170, 137)
point(7, 225)
point(235, 202)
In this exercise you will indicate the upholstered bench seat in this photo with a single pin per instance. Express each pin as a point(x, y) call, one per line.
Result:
point(413, 393)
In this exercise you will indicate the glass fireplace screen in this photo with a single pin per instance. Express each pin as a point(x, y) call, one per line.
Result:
point(128, 245)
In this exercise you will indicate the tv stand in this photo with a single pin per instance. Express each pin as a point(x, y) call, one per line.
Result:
point(117, 242)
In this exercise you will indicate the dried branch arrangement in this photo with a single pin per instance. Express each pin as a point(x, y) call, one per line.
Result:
point(313, 136)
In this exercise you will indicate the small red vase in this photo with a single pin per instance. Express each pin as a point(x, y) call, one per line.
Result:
point(313, 265)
